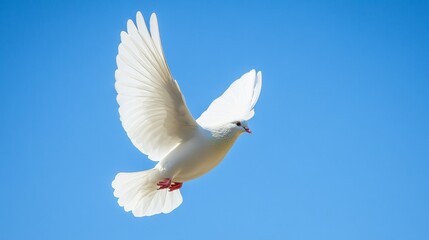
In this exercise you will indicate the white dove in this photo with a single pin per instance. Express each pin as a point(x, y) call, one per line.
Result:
point(154, 114)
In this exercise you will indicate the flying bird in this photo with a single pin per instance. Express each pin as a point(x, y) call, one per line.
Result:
point(155, 117)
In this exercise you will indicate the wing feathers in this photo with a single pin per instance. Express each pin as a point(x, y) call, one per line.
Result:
point(152, 109)
point(155, 34)
point(257, 88)
point(236, 103)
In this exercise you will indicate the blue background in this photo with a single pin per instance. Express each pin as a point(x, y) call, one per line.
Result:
point(340, 148)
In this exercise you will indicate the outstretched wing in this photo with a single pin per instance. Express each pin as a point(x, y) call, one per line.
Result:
point(236, 103)
point(152, 109)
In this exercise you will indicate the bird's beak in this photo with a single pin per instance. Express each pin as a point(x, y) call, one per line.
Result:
point(247, 130)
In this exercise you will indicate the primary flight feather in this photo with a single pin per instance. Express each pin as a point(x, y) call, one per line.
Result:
point(154, 114)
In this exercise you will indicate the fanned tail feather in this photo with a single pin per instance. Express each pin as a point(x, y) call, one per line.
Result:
point(138, 192)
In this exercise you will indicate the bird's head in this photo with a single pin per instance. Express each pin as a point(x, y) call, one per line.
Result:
point(229, 129)
point(240, 126)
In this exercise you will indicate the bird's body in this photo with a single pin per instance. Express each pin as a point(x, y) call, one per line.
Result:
point(154, 114)
point(197, 156)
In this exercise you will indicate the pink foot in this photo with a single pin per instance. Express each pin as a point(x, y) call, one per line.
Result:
point(164, 183)
point(175, 186)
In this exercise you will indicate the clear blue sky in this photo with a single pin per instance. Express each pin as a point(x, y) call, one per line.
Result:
point(340, 148)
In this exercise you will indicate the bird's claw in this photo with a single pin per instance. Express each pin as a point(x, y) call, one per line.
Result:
point(175, 186)
point(167, 183)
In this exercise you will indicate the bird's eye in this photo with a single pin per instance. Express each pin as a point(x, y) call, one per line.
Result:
point(238, 124)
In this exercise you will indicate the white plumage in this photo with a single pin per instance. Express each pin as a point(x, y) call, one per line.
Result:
point(154, 114)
